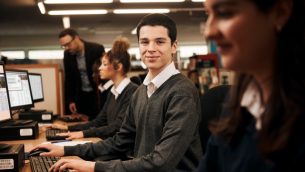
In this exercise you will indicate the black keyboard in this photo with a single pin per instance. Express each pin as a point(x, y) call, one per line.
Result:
point(51, 134)
point(43, 163)
point(70, 119)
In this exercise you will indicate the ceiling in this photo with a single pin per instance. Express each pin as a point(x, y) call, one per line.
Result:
point(22, 26)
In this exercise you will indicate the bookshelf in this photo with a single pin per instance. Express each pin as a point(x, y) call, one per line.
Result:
point(205, 72)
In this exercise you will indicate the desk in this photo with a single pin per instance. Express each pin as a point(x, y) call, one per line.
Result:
point(28, 144)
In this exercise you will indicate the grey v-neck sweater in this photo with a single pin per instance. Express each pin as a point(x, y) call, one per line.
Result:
point(162, 131)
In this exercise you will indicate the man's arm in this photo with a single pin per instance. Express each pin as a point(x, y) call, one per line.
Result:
point(120, 143)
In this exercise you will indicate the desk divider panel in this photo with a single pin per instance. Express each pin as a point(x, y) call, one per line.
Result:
point(52, 78)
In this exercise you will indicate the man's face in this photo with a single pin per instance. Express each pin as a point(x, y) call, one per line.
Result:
point(69, 43)
point(155, 48)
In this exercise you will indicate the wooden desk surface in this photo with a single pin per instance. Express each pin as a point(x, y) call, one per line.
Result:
point(28, 144)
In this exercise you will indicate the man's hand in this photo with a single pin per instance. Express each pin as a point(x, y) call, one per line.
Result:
point(54, 150)
point(72, 107)
point(73, 164)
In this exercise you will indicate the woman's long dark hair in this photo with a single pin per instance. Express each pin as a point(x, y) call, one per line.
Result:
point(283, 122)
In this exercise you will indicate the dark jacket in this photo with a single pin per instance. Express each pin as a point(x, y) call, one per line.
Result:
point(93, 52)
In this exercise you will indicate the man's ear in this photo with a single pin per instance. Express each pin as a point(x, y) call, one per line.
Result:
point(282, 12)
point(174, 47)
point(77, 39)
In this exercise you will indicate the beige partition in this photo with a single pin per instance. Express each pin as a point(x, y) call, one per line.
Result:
point(52, 85)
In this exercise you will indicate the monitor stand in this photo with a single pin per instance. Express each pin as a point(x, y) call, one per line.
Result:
point(4, 146)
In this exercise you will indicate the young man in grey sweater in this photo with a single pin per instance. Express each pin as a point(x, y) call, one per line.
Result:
point(161, 124)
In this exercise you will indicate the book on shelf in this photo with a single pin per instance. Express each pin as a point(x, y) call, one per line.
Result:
point(208, 72)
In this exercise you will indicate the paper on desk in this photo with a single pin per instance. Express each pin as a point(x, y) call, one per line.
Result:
point(44, 124)
point(70, 143)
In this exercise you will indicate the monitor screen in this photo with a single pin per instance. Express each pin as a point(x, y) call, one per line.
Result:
point(5, 113)
point(19, 89)
point(36, 87)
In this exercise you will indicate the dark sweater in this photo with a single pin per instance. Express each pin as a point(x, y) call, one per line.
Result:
point(245, 156)
point(110, 118)
point(162, 130)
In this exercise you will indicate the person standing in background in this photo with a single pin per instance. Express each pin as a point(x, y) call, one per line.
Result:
point(79, 58)
point(262, 128)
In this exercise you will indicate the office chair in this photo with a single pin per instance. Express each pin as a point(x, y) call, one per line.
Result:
point(212, 103)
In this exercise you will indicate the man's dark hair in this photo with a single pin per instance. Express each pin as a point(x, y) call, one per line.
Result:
point(68, 31)
point(159, 20)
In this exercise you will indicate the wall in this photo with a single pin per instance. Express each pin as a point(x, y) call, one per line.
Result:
point(52, 85)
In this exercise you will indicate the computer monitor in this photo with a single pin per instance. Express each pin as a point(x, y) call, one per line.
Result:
point(36, 87)
point(19, 89)
point(5, 113)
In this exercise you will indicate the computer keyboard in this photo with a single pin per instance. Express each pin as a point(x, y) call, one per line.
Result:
point(70, 119)
point(51, 134)
point(43, 163)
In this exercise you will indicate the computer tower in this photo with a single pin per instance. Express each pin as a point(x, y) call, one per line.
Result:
point(19, 132)
point(12, 158)
point(41, 117)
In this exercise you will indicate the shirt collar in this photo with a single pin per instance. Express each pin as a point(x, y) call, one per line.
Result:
point(118, 90)
point(103, 87)
point(252, 100)
point(163, 76)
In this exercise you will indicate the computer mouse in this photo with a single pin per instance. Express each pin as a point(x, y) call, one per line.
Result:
point(37, 152)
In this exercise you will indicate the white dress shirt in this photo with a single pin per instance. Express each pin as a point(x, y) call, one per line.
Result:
point(252, 100)
point(104, 87)
point(118, 90)
point(154, 83)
